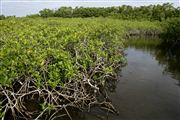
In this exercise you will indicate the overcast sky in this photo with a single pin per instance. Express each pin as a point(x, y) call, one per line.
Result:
point(26, 7)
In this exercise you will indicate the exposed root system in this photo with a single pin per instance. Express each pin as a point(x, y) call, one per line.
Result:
point(25, 100)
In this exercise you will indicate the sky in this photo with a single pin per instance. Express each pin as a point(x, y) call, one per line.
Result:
point(26, 7)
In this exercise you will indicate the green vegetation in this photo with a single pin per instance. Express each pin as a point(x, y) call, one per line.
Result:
point(59, 63)
point(26, 44)
point(151, 12)
point(165, 13)
point(2, 17)
point(171, 35)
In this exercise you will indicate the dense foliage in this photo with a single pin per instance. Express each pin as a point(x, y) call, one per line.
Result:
point(26, 46)
point(66, 59)
point(171, 35)
point(59, 62)
point(151, 12)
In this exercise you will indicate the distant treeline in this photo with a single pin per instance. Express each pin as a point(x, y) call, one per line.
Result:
point(2, 17)
point(151, 12)
point(6, 17)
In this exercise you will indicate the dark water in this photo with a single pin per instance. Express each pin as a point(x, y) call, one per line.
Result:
point(147, 89)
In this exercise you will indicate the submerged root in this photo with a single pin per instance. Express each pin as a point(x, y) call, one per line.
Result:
point(30, 102)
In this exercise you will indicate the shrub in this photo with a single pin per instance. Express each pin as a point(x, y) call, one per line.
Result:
point(171, 36)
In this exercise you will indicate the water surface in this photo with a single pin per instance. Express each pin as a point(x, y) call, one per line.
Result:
point(145, 90)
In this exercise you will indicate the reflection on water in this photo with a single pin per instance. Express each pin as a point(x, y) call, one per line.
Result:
point(147, 88)
point(144, 92)
point(168, 58)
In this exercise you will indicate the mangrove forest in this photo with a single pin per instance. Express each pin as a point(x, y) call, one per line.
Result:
point(91, 63)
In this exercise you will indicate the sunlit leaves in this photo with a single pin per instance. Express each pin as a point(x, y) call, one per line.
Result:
point(55, 50)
